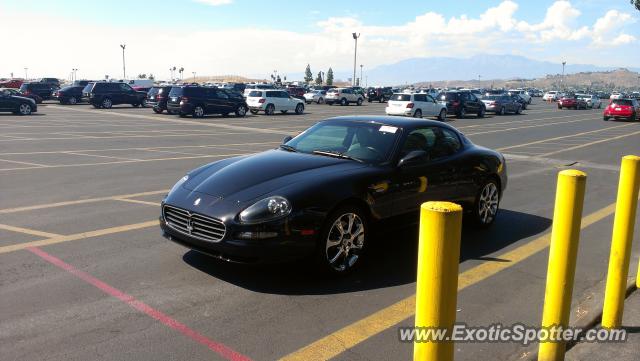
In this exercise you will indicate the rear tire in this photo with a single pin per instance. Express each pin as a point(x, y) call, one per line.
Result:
point(73, 101)
point(241, 111)
point(481, 113)
point(24, 109)
point(320, 100)
point(443, 115)
point(253, 111)
point(462, 113)
point(198, 111)
point(106, 103)
point(502, 111)
point(606, 119)
point(417, 113)
point(519, 110)
point(359, 102)
point(344, 102)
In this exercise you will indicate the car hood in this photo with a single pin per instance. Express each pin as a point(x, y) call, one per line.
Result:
point(250, 177)
point(22, 98)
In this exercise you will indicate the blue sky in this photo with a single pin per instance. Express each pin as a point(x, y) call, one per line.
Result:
point(228, 38)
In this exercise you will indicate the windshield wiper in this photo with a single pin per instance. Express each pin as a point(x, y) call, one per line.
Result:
point(288, 148)
point(336, 154)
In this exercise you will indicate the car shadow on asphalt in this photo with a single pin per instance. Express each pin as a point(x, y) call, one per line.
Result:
point(391, 259)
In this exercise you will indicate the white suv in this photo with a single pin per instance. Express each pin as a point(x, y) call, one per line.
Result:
point(416, 105)
point(251, 87)
point(551, 95)
point(271, 101)
point(343, 96)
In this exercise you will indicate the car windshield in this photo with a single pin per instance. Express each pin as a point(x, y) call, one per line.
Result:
point(255, 93)
point(622, 102)
point(367, 142)
point(493, 97)
point(176, 91)
point(401, 97)
point(154, 91)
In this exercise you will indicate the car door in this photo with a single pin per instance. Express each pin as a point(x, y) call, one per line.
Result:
point(434, 109)
point(430, 179)
point(5, 101)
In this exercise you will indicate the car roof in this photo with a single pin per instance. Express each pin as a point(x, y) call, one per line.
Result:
point(400, 122)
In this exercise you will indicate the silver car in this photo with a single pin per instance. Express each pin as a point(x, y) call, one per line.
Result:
point(593, 101)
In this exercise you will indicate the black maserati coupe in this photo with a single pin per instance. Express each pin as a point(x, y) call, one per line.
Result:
point(318, 193)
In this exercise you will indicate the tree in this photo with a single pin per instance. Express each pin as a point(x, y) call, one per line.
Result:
point(308, 75)
point(330, 77)
point(142, 76)
point(151, 77)
point(636, 3)
point(319, 78)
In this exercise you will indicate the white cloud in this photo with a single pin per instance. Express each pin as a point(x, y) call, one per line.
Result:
point(250, 51)
point(215, 2)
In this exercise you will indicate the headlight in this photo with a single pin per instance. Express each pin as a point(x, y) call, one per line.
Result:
point(266, 210)
point(179, 183)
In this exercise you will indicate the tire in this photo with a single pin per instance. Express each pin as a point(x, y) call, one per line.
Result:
point(24, 109)
point(270, 109)
point(135, 105)
point(345, 232)
point(96, 106)
point(443, 115)
point(481, 112)
point(344, 102)
point(320, 100)
point(182, 115)
point(143, 103)
point(599, 105)
point(156, 110)
point(606, 119)
point(241, 111)
point(502, 111)
point(487, 204)
point(299, 109)
point(370, 100)
point(330, 103)
point(253, 111)
point(559, 106)
point(462, 113)
point(198, 111)
point(417, 113)
point(359, 102)
point(633, 117)
point(73, 101)
point(106, 103)
point(519, 110)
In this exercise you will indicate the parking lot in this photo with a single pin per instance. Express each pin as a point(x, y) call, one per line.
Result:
point(85, 273)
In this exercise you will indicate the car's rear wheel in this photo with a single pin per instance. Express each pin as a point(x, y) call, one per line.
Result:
point(487, 204)
point(502, 111)
point(443, 115)
point(135, 105)
point(24, 109)
point(518, 110)
point(198, 111)
point(417, 113)
point(633, 117)
point(320, 100)
point(143, 103)
point(342, 240)
point(462, 113)
point(106, 103)
point(299, 109)
point(344, 101)
point(73, 100)
point(481, 112)
point(241, 111)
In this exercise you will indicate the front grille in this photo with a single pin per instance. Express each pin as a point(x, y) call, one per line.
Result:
point(193, 224)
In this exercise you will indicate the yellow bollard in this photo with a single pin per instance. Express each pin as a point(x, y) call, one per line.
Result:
point(623, 225)
point(437, 285)
point(563, 250)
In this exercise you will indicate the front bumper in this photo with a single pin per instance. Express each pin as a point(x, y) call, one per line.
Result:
point(296, 239)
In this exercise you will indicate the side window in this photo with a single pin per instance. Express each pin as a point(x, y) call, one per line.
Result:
point(284, 94)
point(271, 94)
point(124, 87)
point(347, 91)
point(221, 94)
point(419, 139)
point(419, 97)
point(446, 144)
point(430, 99)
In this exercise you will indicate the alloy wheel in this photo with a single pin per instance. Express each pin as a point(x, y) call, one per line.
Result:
point(25, 109)
point(345, 241)
point(488, 203)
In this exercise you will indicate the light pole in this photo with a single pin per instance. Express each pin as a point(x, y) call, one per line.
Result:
point(124, 69)
point(73, 77)
point(562, 79)
point(194, 76)
point(25, 74)
point(355, 56)
point(321, 77)
point(360, 80)
point(479, 80)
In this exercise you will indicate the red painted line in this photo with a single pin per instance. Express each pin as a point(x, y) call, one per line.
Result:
point(217, 347)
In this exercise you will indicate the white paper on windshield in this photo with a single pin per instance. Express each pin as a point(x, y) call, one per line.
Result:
point(387, 129)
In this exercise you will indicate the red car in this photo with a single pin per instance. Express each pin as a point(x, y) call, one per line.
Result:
point(296, 92)
point(622, 109)
point(572, 103)
point(11, 83)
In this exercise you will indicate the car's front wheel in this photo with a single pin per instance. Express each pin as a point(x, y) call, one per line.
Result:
point(241, 111)
point(73, 100)
point(486, 204)
point(461, 113)
point(320, 100)
point(270, 109)
point(299, 109)
point(157, 110)
point(443, 115)
point(198, 111)
point(344, 102)
point(24, 109)
point(342, 240)
point(481, 112)
point(106, 103)
point(417, 113)
point(359, 102)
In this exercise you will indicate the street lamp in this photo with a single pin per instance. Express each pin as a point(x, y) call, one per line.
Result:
point(562, 79)
point(73, 76)
point(194, 76)
point(355, 56)
point(124, 70)
point(25, 74)
point(360, 81)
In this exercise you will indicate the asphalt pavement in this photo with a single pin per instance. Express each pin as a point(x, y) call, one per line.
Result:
point(85, 273)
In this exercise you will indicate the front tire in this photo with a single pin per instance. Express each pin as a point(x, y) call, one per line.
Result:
point(487, 204)
point(443, 115)
point(73, 100)
point(241, 111)
point(253, 111)
point(24, 109)
point(270, 109)
point(344, 102)
point(157, 110)
point(359, 102)
point(417, 113)
point(299, 109)
point(342, 240)
point(320, 100)
point(462, 113)
point(106, 103)
point(481, 112)
point(198, 111)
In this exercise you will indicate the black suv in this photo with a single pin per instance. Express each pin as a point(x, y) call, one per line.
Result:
point(107, 94)
point(157, 98)
point(42, 90)
point(463, 102)
point(51, 81)
point(16, 104)
point(68, 95)
point(198, 101)
point(379, 94)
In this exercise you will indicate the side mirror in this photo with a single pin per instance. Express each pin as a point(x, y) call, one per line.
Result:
point(414, 157)
point(286, 139)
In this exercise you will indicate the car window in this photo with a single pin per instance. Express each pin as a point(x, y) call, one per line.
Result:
point(446, 144)
point(401, 97)
point(87, 88)
point(429, 98)
point(125, 87)
point(272, 94)
point(419, 139)
point(420, 97)
point(255, 93)
point(221, 94)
